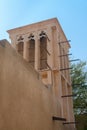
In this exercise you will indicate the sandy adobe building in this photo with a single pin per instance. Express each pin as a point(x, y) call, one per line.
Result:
point(35, 84)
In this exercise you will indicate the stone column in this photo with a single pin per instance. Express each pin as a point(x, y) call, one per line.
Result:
point(49, 46)
point(25, 50)
point(37, 54)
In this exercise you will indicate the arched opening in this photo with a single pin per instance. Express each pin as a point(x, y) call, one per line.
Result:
point(20, 47)
point(43, 51)
point(31, 47)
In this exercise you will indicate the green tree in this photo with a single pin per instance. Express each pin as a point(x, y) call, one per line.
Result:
point(79, 84)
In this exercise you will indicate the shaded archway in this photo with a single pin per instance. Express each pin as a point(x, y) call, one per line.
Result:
point(31, 47)
point(20, 48)
point(43, 53)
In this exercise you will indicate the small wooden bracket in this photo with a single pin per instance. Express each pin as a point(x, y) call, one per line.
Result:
point(58, 118)
point(65, 41)
point(65, 69)
point(68, 95)
point(67, 123)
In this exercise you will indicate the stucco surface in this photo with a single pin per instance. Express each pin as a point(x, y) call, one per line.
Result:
point(25, 103)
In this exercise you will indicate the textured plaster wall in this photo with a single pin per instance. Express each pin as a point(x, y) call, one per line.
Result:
point(25, 103)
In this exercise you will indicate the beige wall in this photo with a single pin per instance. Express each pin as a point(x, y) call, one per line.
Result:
point(25, 103)
point(56, 80)
point(29, 99)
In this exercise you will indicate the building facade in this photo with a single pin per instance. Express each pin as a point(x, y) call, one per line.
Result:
point(45, 47)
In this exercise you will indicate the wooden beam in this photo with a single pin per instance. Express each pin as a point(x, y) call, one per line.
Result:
point(74, 60)
point(58, 118)
point(65, 41)
point(67, 123)
point(65, 69)
point(69, 95)
point(65, 55)
point(76, 84)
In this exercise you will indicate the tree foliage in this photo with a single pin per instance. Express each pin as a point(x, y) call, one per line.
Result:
point(79, 83)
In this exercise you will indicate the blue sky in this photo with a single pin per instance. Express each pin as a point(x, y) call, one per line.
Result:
point(72, 15)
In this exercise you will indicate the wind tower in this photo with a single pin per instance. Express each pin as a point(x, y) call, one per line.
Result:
point(45, 46)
